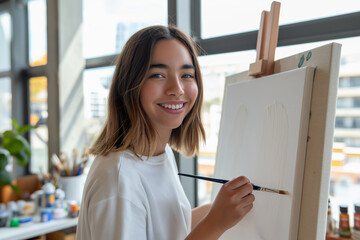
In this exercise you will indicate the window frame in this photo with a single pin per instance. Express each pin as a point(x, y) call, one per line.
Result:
point(20, 108)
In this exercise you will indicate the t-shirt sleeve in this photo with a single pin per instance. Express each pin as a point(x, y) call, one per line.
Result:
point(117, 218)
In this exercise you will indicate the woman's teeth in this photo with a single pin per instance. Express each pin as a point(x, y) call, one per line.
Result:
point(172, 106)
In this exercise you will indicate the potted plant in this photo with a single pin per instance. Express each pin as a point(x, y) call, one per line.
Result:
point(12, 143)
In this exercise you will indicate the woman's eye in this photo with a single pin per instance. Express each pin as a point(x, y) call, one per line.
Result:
point(188, 76)
point(156, 75)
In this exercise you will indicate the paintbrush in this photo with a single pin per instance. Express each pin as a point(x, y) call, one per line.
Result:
point(58, 166)
point(255, 187)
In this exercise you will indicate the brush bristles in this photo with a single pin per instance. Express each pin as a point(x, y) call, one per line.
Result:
point(284, 192)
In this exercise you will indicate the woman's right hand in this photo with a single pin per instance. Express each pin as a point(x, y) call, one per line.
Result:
point(233, 202)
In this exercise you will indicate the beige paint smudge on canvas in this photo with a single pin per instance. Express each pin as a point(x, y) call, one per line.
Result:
point(273, 148)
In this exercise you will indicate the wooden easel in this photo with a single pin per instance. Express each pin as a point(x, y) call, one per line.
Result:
point(266, 42)
point(326, 61)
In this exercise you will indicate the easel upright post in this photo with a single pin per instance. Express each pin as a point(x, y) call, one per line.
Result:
point(266, 42)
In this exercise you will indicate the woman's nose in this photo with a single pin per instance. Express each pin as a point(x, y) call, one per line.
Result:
point(175, 87)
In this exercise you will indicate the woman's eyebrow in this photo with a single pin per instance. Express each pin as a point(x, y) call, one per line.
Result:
point(161, 65)
point(188, 66)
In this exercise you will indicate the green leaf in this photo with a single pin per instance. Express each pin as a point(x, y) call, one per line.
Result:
point(25, 128)
point(21, 129)
point(8, 133)
point(5, 178)
point(22, 158)
point(12, 143)
point(4, 157)
point(15, 124)
point(15, 143)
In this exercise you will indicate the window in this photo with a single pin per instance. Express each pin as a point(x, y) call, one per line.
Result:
point(356, 102)
point(229, 16)
point(344, 102)
point(346, 82)
point(5, 80)
point(37, 33)
point(96, 89)
point(5, 40)
point(5, 106)
point(38, 116)
point(108, 24)
point(348, 102)
point(347, 122)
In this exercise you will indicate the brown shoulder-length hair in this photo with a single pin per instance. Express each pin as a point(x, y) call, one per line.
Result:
point(127, 126)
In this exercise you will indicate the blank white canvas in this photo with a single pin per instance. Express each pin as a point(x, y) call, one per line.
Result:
point(263, 136)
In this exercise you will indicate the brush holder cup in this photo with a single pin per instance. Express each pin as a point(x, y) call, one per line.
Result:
point(73, 187)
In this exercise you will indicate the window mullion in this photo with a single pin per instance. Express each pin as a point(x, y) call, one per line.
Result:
point(19, 61)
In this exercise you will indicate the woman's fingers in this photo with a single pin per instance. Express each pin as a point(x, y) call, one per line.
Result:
point(246, 209)
point(239, 188)
point(247, 200)
point(237, 182)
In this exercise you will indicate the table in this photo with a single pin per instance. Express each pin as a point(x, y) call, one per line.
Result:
point(34, 229)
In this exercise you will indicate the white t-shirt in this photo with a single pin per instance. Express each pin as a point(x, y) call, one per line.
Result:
point(126, 198)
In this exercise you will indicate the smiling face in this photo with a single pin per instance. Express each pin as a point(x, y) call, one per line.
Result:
point(170, 89)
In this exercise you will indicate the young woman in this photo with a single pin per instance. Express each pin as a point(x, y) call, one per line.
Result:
point(133, 190)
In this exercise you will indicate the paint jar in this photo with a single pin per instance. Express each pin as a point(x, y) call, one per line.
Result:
point(59, 213)
point(73, 210)
point(13, 209)
point(356, 230)
point(45, 214)
point(39, 198)
point(20, 204)
point(344, 224)
point(330, 222)
point(49, 191)
point(27, 208)
point(4, 215)
point(14, 222)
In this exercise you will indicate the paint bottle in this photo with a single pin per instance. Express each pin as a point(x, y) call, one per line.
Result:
point(45, 214)
point(330, 222)
point(356, 230)
point(344, 224)
point(4, 215)
point(49, 190)
point(73, 210)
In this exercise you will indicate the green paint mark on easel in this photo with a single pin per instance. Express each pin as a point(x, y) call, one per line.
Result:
point(308, 56)
point(301, 61)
